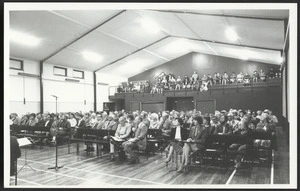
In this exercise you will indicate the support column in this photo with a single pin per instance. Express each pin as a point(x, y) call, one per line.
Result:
point(41, 88)
point(95, 92)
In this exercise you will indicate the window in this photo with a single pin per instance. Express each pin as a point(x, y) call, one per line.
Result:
point(78, 74)
point(59, 71)
point(15, 64)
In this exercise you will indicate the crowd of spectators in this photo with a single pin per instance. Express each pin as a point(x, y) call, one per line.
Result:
point(239, 122)
point(195, 82)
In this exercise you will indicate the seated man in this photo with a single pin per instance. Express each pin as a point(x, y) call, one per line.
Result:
point(255, 76)
point(139, 140)
point(247, 79)
point(209, 79)
point(224, 78)
point(233, 77)
point(110, 124)
point(240, 77)
point(262, 75)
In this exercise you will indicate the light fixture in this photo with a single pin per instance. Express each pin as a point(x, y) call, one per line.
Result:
point(149, 25)
point(23, 38)
point(231, 34)
point(92, 56)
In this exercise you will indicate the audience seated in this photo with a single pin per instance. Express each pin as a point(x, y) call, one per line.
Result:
point(174, 125)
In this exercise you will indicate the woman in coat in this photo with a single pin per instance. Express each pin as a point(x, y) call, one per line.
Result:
point(195, 142)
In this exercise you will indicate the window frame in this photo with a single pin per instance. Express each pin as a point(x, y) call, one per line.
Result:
point(78, 71)
point(21, 62)
point(58, 67)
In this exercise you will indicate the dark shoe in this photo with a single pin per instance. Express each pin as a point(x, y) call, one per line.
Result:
point(133, 160)
point(112, 159)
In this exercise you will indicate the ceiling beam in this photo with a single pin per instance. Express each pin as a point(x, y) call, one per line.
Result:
point(138, 50)
point(231, 44)
point(187, 38)
point(218, 15)
point(88, 32)
point(195, 33)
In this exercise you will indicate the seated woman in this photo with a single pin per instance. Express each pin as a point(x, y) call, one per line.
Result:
point(138, 141)
point(241, 148)
point(195, 142)
point(178, 133)
point(122, 133)
point(206, 125)
point(154, 122)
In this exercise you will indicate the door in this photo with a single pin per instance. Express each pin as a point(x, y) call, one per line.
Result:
point(206, 106)
point(180, 103)
point(134, 105)
point(153, 106)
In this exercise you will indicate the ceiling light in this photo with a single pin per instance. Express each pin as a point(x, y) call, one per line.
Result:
point(231, 34)
point(149, 25)
point(92, 56)
point(23, 38)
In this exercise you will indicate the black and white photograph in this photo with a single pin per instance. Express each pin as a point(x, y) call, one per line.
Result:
point(150, 95)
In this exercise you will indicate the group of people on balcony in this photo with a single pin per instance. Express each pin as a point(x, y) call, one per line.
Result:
point(132, 128)
point(195, 82)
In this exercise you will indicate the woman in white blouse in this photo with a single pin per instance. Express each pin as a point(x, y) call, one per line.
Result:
point(178, 134)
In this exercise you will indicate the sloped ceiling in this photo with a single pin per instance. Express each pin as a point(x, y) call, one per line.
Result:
point(132, 41)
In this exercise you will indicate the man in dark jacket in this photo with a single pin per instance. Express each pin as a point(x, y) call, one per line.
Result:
point(15, 153)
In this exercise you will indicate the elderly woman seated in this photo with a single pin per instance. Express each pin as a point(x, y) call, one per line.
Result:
point(122, 134)
point(154, 122)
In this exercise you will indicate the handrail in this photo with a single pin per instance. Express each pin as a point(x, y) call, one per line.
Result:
point(238, 86)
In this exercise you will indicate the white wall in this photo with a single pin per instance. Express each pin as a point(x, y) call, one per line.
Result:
point(103, 90)
point(21, 87)
point(71, 95)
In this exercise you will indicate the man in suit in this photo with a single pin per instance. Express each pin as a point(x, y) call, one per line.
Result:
point(224, 128)
point(32, 120)
point(103, 120)
point(81, 122)
point(15, 153)
point(40, 120)
point(139, 140)
point(98, 122)
point(110, 124)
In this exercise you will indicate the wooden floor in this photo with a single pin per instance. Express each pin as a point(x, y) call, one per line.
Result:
point(89, 171)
